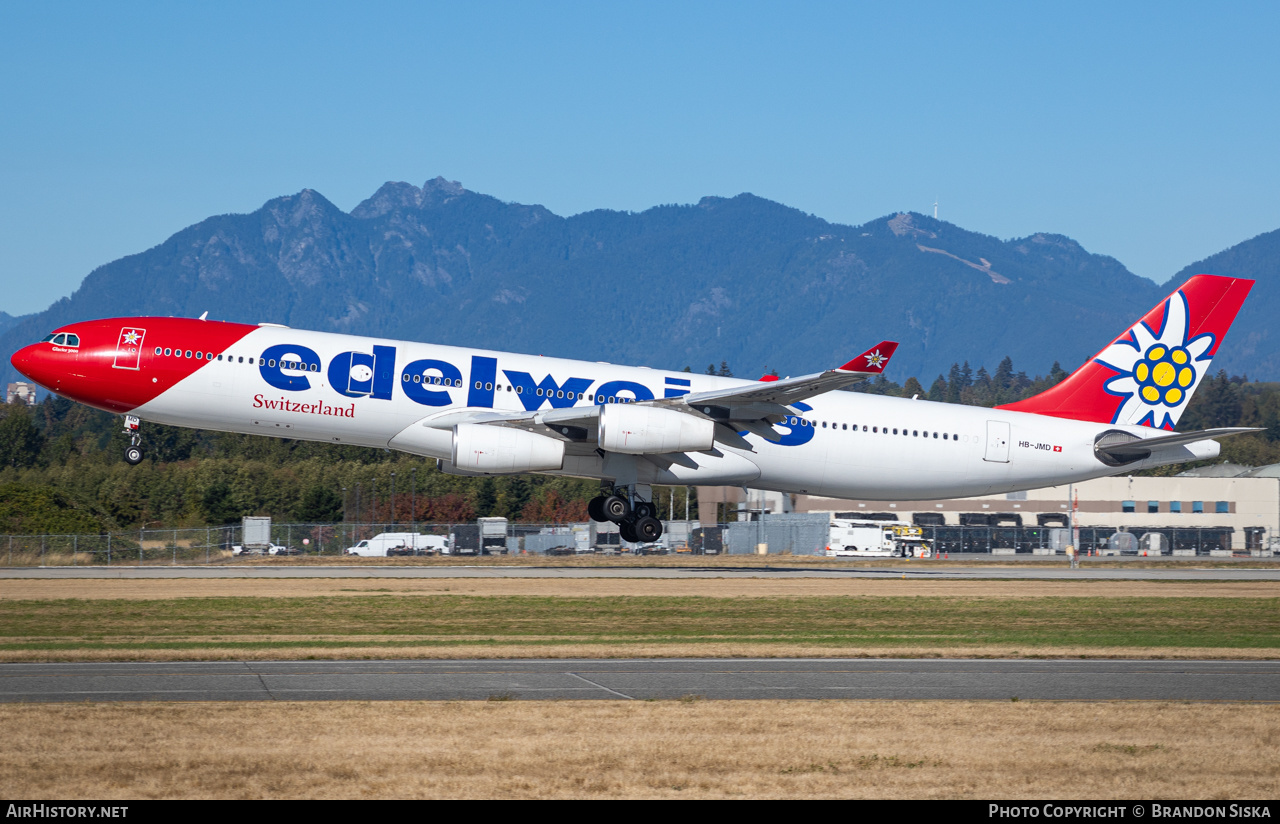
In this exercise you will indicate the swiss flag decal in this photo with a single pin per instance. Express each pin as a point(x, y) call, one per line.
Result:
point(1057, 449)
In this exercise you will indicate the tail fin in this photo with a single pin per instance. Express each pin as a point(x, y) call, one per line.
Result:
point(1146, 376)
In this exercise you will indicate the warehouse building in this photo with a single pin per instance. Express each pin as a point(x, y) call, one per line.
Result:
point(1228, 499)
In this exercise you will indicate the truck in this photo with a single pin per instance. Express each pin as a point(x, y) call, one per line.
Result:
point(860, 538)
point(399, 543)
point(493, 536)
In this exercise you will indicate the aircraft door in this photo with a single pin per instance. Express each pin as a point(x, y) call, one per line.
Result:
point(997, 442)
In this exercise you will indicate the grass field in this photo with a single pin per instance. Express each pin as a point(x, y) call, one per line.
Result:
point(663, 749)
point(391, 624)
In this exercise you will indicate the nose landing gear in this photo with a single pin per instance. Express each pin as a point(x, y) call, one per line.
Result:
point(133, 453)
point(634, 517)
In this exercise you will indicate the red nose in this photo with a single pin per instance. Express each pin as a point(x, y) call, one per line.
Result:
point(33, 362)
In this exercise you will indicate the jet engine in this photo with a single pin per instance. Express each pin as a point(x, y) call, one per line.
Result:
point(500, 450)
point(639, 430)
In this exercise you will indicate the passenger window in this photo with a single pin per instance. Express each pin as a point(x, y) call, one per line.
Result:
point(864, 429)
point(895, 430)
point(251, 361)
point(188, 353)
point(944, 436)
point(846, 426)
point(875, 429)
point(168, 351)
point(915, 433)
point(199, 355)
point(159, 350)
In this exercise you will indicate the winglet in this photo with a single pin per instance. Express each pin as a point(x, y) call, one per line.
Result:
point(874, 360)
point(769, 378)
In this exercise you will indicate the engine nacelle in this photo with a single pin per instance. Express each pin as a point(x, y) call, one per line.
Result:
point(644, 430)
point(501, 450)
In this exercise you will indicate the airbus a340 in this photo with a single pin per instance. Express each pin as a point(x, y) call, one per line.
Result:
point(488, 412)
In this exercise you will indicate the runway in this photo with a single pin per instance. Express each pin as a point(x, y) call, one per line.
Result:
point(923, 571)
point(713, 679)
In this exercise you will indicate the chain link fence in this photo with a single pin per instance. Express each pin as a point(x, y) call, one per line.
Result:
point(794, 534)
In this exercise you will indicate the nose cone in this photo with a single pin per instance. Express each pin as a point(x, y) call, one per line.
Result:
point(29, 360)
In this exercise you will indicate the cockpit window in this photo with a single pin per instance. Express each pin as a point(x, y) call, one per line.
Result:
point(59, 340)
point(73, 340)
point(47, 338)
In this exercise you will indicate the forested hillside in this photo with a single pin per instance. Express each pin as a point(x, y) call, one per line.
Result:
point(743, 278)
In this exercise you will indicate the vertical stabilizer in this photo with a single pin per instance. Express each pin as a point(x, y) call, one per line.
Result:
point(1147, 375)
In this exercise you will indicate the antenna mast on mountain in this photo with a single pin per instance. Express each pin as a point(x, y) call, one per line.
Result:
point(935, 208)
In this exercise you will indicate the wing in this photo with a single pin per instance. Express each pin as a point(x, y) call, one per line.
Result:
point(750, 407)
point(762, 400)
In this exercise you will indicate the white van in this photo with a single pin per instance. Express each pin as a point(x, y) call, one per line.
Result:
point(400, 543)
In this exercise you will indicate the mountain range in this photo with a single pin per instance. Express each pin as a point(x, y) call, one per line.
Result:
point(743, 279)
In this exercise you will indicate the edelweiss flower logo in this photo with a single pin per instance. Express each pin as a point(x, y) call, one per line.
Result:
point(131, 337)
point(1158, 370)
point(875, 360)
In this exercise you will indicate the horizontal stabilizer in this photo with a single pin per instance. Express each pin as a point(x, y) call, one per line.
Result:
point(1119, 447)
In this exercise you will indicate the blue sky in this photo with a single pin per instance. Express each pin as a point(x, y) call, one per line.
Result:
point(1146, 131)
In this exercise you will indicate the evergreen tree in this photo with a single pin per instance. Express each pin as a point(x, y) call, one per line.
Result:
point(486, 498)
point(1003, 379)
point(725, 371)
point(319, 505)
point(218, 505)
point(953, 384)
point(938, 391)
point(912, 388)
point(20, 441)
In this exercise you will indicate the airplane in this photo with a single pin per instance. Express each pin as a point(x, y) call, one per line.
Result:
point(481, 412)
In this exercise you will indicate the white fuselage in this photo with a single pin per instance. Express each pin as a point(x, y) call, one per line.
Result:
point(844, 444)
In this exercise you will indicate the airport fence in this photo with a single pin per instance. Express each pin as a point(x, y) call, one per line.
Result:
point(798, 535)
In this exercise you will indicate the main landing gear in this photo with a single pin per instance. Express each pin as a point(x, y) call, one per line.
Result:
point(133, 453)
point(634, 517)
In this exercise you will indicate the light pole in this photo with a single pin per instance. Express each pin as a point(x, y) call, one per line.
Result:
point(375, 502)
point(413, 498)
point(392, 514)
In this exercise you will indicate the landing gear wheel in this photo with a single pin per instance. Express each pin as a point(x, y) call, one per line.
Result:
point(648, 529)
point(628, 532)
point(133, 456)
point(643, 509)
point(595, 509)
point(616, 508)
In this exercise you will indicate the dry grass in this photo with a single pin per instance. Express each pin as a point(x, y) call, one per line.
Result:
point(668, 749)
point(27, 589)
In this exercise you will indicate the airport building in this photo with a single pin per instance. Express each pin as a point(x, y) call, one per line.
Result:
point(21, 391)
point(1241, 499)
